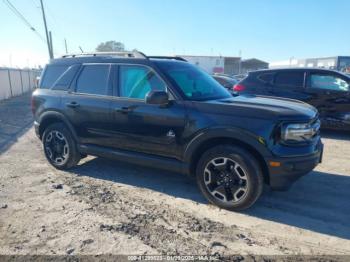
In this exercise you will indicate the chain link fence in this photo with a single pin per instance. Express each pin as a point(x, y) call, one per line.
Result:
point(15, 82)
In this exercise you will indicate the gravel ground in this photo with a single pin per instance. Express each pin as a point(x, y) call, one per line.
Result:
point(108, 207)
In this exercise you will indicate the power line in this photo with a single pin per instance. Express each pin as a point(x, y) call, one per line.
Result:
point(39, 9)
point(35, 4)
point(53, 21)
point(21, 17)
point(17, 13)
point(57, 25)
point(48, 39)
point(53, 17)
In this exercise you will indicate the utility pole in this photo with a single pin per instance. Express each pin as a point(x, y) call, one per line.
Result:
point(240, 62)
point(51, 46)
point(46, 32)
point(65, 45)
point(291, 61)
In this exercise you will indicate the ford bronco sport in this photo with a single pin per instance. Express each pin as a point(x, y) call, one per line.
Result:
point(165, 113)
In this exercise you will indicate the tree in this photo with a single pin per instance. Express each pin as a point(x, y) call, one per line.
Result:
point(110, 46)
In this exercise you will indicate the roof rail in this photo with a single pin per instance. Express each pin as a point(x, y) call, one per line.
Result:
point(132, 54)
point(169, 57)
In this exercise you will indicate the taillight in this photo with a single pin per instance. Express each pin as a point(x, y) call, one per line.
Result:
point(238, 87)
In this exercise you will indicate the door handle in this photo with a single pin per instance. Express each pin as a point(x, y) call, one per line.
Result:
point(124, 110)
point(72, 104)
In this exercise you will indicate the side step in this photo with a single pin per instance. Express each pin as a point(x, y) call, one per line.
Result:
point(136, 158)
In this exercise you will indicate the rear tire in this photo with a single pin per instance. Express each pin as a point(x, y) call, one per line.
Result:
point(59, 147)
point(229, 177)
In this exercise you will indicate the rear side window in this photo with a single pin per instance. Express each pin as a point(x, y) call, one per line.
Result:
point(93, 80)
point(51, 74)
point(66, 78)
point(137, 81)
point(266, 78)
point(290, 79)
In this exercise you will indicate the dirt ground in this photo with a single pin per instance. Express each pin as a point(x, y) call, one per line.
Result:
point(108, 207)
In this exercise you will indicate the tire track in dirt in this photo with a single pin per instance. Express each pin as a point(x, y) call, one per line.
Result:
point(164, 228)
point(170, 230)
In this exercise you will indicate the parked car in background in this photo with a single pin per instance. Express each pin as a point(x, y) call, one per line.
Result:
point(165, 113)
point(226, 81)
point(240, 76)
point(327, 90)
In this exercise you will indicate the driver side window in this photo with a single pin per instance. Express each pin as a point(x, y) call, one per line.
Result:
point(328, 82)
point(137, 81)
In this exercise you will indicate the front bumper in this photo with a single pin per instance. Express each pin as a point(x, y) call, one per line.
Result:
point(36, 128)
point(292, 168)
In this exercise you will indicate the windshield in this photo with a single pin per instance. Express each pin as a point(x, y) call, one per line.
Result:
point(194, 84)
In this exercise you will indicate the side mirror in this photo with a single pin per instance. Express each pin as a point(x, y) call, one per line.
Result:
point(157, 98)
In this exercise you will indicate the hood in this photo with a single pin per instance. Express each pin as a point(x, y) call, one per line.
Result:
point(267, 107)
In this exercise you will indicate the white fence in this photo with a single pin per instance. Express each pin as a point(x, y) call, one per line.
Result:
point(14, 82)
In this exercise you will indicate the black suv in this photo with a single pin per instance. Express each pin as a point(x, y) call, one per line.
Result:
point(165, 113)
point(327, 90)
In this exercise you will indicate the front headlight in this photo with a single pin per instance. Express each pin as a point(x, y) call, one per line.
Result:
point(299, 132)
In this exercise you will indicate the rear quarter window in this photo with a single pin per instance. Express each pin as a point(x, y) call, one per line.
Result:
point(51, 75)
point(266, 78)
point(64, 81)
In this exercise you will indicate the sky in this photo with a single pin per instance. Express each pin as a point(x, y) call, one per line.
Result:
point(270, 30)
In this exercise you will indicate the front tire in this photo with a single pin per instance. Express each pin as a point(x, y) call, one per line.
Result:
point(229, 177)
point(59, 147)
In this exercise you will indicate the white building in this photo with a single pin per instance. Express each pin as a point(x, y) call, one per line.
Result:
point(341, 63)
point(225, 64)
point(211, 64)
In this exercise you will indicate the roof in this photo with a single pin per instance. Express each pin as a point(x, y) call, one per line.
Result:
point(298, 69)
point(110, 57)
point(209, 56)
point(96, 59)
point(321, 58)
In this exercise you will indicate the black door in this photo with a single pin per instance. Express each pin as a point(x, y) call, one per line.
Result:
point(87, 105)
point(141, 127)
point(289, 84)
point(330, 95)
